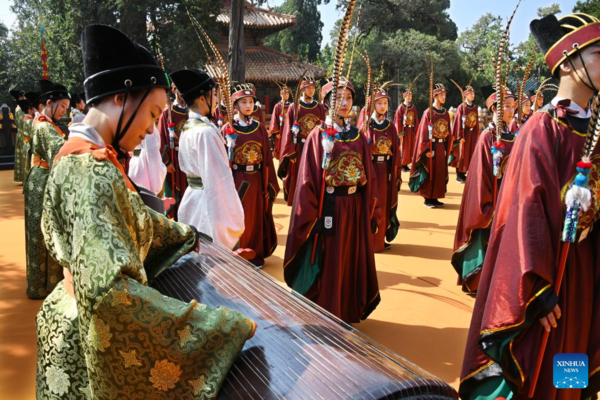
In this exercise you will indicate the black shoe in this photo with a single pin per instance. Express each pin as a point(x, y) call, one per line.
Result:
point(405, 168)
point(438, 203)
point(462, 180)
point(387, 246)
point(429, 203)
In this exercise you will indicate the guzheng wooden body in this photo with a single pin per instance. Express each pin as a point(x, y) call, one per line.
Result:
point(299, 350)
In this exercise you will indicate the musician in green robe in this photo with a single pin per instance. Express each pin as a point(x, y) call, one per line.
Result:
point(103, 333)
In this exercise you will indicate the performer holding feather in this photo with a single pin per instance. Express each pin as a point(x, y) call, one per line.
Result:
point(429, 172)
point(302, 117)
point(465, 133)
point(251, 161)
point(329, 254)
point(541, 275)
point(406, 122)
point(278, 118)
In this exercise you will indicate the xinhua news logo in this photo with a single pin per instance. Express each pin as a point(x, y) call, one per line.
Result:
point(570, 371)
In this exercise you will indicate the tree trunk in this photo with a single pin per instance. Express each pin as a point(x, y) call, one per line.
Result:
point(237, 62)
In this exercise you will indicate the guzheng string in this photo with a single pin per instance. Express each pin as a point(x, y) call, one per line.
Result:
point(226, 257)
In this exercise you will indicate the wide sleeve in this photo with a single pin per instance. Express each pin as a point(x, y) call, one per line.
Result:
point(163, 130)
point(137, 342)
point(49, 143)
point(399, 120)
point(147, 170)
point(275, 127)
point(213, 167)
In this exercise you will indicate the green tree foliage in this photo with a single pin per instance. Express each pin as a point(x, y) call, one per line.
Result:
point(156, 24)
point(305, 37)
point(427, 16)
point(591, 7)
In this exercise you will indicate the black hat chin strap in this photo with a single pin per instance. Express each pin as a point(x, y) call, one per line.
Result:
point(589, 85)
point(53, 108)
point(120, 134)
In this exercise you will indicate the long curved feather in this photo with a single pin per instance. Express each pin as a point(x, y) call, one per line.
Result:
point(338, 62)
point(460, 89)
point(297, 96)
point(521, 89)
point(222, 65)
point(413, 82)
point(499, 80)
point(593, 133)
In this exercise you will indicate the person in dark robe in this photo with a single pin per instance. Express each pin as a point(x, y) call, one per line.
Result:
point(429, 172)
point(385, 149)
point(465, 130)
point(517, 299)
point(297, 125)
point(479, 196)
point(251, 161)
point(277, 120)
point(406, 122)
point(329, 256)
point(176, 181)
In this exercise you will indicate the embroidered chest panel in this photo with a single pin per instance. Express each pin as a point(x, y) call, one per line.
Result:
point(472, 120)
point(307, 123)
point(347, 170)
point(441, 129)
point(383, 146)
point(410, 118)
point(248, 153)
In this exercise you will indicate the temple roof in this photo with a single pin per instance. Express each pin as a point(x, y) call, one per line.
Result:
point(264, 64)
point(257, 18)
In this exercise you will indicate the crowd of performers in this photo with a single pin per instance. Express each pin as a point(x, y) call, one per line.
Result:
point(121, 196)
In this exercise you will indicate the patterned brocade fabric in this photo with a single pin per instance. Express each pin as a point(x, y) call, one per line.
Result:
point(118, 338)
point(347, 170)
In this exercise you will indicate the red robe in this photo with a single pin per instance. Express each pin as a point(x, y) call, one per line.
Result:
point(171, 156)
point(310, 116)
point(477, 210)
point(407, 129)
point(517, 282)
point(467, 130)
point(515, 126)
point(277, 121)
point(385, 148)
point(222, 111)
point(343, 279)
point(431, 184)
point(252, 148)
point(258, 114)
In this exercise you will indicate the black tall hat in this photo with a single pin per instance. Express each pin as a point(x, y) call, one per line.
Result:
point(114, 64)
point(559, 38)
point(23, 104)
point(192, 83)
point(16, 93)
point(53, 91)
point(33, 98)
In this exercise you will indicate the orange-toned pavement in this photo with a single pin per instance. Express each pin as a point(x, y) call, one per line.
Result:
point(423, 314)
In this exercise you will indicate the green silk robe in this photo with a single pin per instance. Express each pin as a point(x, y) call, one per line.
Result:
point(19, 144)
point(119, 338)
point(43, 272)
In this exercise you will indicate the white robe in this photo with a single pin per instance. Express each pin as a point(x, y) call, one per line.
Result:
point(148, 170)
point(215, 210)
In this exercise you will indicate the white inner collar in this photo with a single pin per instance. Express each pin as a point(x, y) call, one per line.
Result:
point(581, 113)
point(84, 131)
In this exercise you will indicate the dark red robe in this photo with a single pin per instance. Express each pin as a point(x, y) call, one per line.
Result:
point(477, 210)
point(309, 116)
point(431, 184)
point(171, 156)
point(252, 148)
point(462, 152)
point(517, 281)
point(277, 122)
point(515, 126)
point(407, 130)
point(258, 114)
point(343, 279)
point(385, 148)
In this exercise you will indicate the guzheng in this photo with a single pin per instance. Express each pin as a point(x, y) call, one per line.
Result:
point(299, 351)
